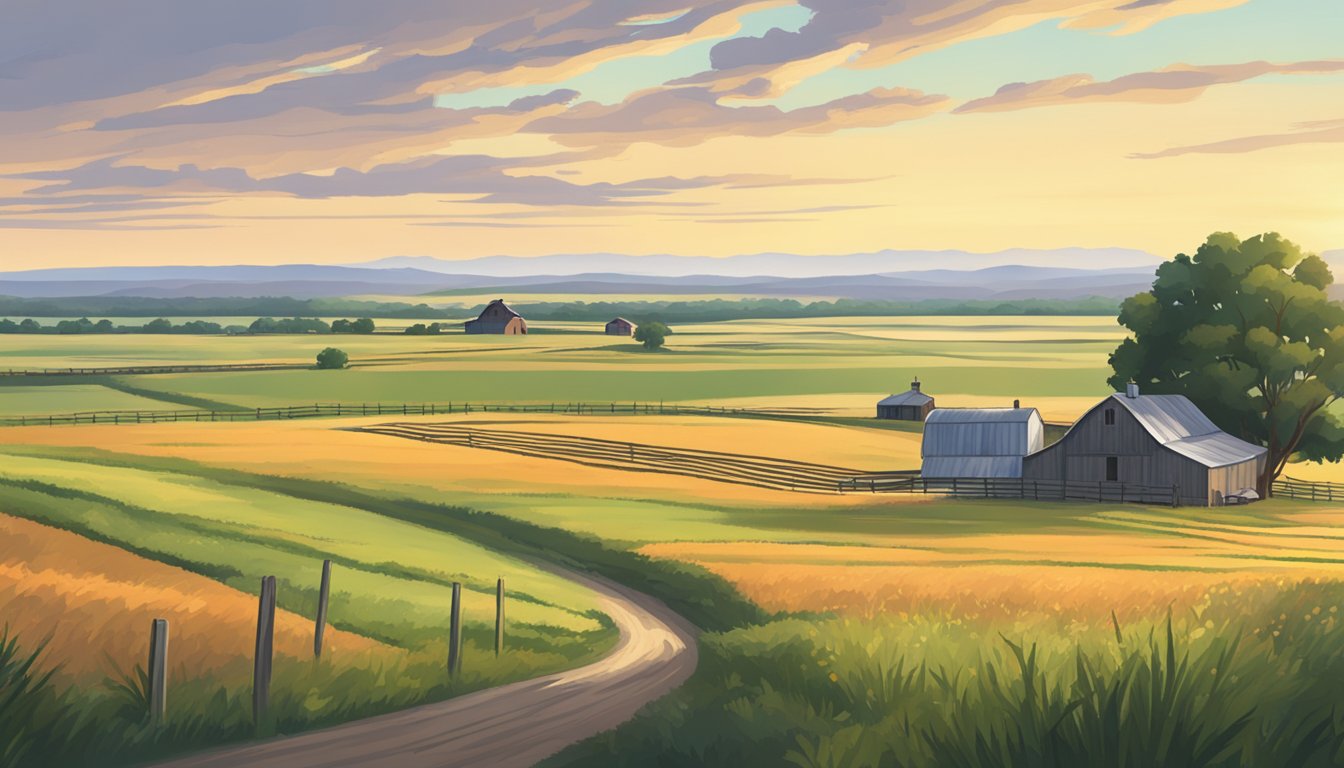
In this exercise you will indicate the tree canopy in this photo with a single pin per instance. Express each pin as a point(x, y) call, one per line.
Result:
point(1247, 331)
point(652, 334)
point(332, 358)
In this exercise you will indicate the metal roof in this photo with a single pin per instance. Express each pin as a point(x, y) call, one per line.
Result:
point(982, 432)
point(1178, 424)
point(947, 467)
point(913, 397)
point(982, 415)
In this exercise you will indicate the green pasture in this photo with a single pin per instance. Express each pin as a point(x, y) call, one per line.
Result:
point(28, 400)
point(1007, 357)
point(395, 577)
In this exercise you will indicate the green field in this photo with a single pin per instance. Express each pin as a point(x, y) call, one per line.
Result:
point(1004, 357)
point(840, 631)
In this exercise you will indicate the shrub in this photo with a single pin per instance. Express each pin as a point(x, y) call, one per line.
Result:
point(332, 358)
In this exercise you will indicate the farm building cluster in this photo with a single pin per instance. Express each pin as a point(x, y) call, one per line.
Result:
point(500, 319)
point(1128, 440)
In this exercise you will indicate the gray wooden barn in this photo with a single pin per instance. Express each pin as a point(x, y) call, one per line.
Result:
point(912, 405)
point(498, 318)
point(979, 442)
point(1151, 440)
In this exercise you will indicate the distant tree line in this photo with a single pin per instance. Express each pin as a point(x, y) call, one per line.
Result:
point(420, 329)
point(702, 311)
point(268, 306)
point(715, 310)
point(200, 327)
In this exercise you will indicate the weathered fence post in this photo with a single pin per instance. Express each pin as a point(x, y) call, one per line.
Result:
point(499, 616)
point(261, 667)
point(158, 671)
point(455, 632)
point(323, 595)
point(1175, 495)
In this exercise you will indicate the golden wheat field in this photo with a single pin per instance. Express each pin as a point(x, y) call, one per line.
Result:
point(323, 448)
point(95, 603)
point(1014, 593)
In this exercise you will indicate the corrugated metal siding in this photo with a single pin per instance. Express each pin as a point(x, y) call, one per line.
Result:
point(984, 415)
point(982, 432)
point(947, 467)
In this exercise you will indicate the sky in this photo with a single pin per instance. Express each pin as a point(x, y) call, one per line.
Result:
point(339, 131)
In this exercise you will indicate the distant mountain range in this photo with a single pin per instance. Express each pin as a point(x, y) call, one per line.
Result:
point(772, 264)
point(887, 275)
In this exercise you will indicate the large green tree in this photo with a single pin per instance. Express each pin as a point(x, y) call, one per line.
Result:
point(1246, 330)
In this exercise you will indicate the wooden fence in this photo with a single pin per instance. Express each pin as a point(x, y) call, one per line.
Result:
point(1292, 488)
point(742, 469)
point(332, 410)
point(1018, 488)
point(263, 658)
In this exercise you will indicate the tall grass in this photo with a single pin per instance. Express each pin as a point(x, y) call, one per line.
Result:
point(1215, 686)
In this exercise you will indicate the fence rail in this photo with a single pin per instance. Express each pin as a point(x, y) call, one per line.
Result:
point(741, 469)
point(332, 410)
point(1292, 488)
point(1018, 488)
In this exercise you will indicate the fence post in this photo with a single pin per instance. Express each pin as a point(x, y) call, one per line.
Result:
point(158, 671)
point(455, 632)
point(499, 616)
point(1175, 495)
point(261, 668)
point(323, 595)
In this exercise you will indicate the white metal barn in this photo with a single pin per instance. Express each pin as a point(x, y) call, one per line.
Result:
point(979, 442)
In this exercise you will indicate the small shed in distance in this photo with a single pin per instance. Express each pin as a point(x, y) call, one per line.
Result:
point(979, 442)
point(497, 318)
point(620, 327)
point(913, 405)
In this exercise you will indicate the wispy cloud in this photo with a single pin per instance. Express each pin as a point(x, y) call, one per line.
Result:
point(1320, 132)
point(1178, 83)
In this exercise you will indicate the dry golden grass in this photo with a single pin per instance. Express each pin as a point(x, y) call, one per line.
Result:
point(96, 603)
point(321, 449)
point(1016, 593)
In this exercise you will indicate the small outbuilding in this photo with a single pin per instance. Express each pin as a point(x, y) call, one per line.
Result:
point(1162, 441)
point(979, 442)
point(912, 405)
point(497, 318)
point(620, 327)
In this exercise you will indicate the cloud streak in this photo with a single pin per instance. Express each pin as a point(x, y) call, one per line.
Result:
point(1178, 83)
point(1320, 132)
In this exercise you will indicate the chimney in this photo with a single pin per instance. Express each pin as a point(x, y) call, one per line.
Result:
point(1131, 390)
point(915, 384)
point(1017, 404)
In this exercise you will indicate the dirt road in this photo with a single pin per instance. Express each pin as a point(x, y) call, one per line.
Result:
point(515, 725)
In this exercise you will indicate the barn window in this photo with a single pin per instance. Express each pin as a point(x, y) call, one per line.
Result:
point(1112, 468)
point(1110, 417)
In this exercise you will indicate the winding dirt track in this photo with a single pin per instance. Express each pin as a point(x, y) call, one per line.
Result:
point(515, 725)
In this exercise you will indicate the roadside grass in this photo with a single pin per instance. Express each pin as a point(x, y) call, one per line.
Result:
point(1245, 676)
point(106, 724)
point(391, 583)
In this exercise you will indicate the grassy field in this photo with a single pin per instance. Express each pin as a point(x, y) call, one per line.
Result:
point(918, 631)
point(1044, 359)
point(93, 550)
point(95, 601)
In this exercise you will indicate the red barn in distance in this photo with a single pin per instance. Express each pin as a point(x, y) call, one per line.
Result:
point(620, 327)
point(499, 319)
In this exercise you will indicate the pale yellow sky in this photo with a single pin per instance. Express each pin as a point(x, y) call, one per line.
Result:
point(335, 173)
